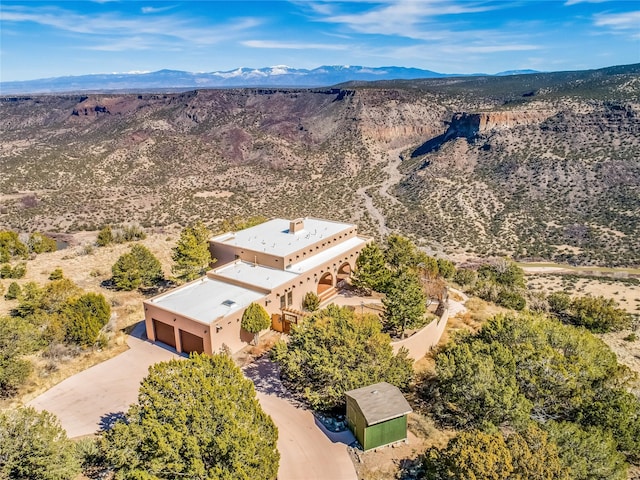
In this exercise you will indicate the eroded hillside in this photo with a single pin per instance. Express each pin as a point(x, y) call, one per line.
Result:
point(543, 165)
point(72, 162)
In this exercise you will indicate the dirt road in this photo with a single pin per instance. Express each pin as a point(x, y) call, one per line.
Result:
point(393, 177)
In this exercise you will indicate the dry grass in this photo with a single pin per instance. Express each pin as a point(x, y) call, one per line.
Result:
point(89, 270)
point(88, 267)
point(623, 292)
point(251, 352)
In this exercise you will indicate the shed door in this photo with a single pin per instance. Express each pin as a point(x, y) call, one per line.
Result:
point(164, 333)
point(191, 342)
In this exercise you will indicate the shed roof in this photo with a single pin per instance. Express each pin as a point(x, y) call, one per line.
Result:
point(380, 402)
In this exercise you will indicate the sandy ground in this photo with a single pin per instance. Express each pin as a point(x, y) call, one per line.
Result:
point(624, 293)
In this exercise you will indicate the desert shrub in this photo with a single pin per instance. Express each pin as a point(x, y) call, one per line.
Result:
point(195, 419)
point(137, 268)
point(510, 299)
point(446, 268)
point(41, 243)
point(17, 338)
point(191, 254)
point(11, 246)
point(84, 318)
point(371, 271)
point(484, 455)
point(13, 292)
point(465, 277)
point(255, 319)
point(598, 314)
point(105, 236)
point(311, 301)
point(404, 303)
point(503, 272)
point(525, 367)
point(18, 271)
point(33, 445)
point(589, 453)
point(128, 233)
point(56, 274)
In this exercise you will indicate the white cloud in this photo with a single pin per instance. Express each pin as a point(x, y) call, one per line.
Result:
point(162, 26)
point(292, 45)
point(568, 3)
point(407, 18)
point(156, 9)
point(619, 21)
point(496, 48)
point(122, 45)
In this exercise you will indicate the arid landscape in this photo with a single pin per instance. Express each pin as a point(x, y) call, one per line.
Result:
point(537, 168)
point(540, 166)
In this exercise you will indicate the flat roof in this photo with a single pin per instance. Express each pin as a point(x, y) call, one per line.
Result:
point(380, 402)
point(273, 236)
point(325, 255)
point(207, 299)
point(257, 275)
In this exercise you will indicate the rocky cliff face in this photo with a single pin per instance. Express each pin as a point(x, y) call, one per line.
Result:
point(470, 125)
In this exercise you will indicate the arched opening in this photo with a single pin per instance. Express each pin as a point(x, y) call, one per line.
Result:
point(344, 272)
point(325, 283)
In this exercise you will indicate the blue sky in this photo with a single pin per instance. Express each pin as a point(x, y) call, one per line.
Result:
point(40, 39)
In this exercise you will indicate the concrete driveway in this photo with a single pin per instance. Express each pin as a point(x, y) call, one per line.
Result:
point(308, 451)
point(93, 399)
point(99, 395)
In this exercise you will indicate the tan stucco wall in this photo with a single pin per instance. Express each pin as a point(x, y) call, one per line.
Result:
point(227, 253)
point(230, 332)
point(213, 338)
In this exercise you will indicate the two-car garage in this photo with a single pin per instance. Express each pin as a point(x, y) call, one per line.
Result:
point(189, 342)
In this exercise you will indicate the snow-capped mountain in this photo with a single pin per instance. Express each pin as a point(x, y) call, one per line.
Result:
point(276, 76)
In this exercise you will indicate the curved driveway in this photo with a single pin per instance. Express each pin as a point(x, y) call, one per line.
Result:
point(308, 451)
point(97, 396)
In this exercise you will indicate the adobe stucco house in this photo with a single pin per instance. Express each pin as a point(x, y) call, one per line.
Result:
point(274, 264)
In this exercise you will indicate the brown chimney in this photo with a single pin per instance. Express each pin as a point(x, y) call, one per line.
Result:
point(296, 225)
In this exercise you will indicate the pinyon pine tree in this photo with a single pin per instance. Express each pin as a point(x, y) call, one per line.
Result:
point(197, 419)
point(191, 254)
point(255, 319)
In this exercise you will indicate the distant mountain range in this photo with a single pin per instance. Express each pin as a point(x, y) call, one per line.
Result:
point(278, 76)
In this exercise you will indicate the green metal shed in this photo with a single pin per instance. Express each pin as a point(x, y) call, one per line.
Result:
point(377, 415)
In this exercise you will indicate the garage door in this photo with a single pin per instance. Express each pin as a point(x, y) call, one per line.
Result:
point(191, 342)
point(164, 333)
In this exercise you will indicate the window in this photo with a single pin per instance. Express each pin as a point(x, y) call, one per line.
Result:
point(289, 298)
point(282, 302)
